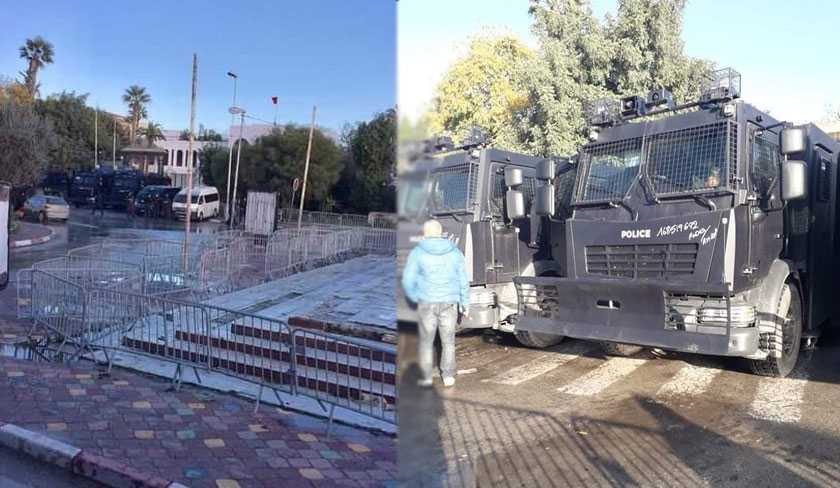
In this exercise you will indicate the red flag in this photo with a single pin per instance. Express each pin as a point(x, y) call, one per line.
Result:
point(274, 100)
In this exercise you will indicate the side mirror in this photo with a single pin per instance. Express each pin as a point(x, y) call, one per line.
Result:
point(544, 200)
point(5, 212)
point(545, 169)
point(515, 201)
point(793, 140)
point(513, 177)
point(794, 180)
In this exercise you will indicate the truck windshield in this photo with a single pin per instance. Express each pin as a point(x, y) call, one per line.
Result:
point(609, 170)
point(451, 188)
point(412, 195)
point(685, 161)
point(689, 160)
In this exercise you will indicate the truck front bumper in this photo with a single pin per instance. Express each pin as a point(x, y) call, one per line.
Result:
point(634, 312)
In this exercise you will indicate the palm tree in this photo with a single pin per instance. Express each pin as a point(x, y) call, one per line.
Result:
point(39, 52)
point(152, 132)
point(136, 98)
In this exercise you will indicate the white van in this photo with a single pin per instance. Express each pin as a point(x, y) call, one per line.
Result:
point(204, 203)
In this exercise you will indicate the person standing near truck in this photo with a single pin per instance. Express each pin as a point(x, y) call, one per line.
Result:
point(435, 278)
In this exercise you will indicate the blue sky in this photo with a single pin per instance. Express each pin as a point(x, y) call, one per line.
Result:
point(338, 54)
point(784, 50)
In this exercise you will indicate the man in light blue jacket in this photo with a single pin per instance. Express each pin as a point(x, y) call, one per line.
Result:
point(435, 277)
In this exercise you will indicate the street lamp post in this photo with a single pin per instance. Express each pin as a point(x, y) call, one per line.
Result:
point(237, 111)
point(230, 148)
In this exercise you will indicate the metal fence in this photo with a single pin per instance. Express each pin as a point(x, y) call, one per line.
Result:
point(334, 370)
point(287, 216)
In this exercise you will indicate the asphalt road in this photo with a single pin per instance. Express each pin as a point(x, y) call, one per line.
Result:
point(20, 471)
point(84, 228)
point(570, 416)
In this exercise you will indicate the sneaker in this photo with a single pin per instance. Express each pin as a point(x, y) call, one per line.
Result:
point(448, 381)
point(424, 383)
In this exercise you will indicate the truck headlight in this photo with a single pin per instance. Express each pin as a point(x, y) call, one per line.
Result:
point(739, 315)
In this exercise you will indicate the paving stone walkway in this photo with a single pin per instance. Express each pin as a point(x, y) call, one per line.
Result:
point(197, 437)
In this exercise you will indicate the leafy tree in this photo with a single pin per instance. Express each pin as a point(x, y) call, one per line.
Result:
point(582, 59)
point(273, 162)
point(137, 99)
point(26, 139)
point(533, 102)
point(213, 169)
point(484, 89)
point(73, 123)
point(39, 53)
point(366, 183)
point(203, 135)
point(13, 91)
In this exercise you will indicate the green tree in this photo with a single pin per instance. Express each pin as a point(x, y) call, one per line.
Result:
point(38, 52)
point(484, 89)
point(26, 139)
point(73, 123)
point(366, 183)
point(275, 160)
point(582, 59)
point(137, 99)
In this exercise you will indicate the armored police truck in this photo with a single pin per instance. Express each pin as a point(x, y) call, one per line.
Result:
point(465, 189)
point(708, 229)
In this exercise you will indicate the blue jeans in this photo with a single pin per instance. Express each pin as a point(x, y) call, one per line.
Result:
point(442, 318)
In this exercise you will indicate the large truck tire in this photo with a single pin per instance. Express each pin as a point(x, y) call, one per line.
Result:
point(788, 337)
point(537, 340)
point(619, 349)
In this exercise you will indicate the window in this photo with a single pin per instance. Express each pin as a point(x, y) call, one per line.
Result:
point(609, 169)
point(688, 160)
point(499, 189)
point(824, 181)
point(765, 165)
point(212, 197)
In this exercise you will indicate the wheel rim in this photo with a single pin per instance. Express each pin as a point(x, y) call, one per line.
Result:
point(788, 341)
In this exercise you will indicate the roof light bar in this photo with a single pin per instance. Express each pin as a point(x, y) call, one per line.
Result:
point(722, 85)
point(601, 112)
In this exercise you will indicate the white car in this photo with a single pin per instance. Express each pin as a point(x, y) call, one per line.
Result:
point(46, 207)
point(204, 203)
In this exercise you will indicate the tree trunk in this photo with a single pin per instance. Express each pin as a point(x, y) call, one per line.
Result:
point(32, 78)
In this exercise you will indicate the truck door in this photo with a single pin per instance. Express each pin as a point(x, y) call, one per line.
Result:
point(821, 235)
point(506, 256)
point(5, 204)
point(766, 214)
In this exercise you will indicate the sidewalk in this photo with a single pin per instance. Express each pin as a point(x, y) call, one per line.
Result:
point(195, 437)
point(30, 234)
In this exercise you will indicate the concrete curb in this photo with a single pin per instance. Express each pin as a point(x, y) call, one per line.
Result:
point(31, 242)
point(102, 470)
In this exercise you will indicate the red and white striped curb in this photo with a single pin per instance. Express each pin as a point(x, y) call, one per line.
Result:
point(102, 470)
point(31, 242)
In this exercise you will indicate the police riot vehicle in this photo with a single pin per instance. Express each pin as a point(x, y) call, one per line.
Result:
point(465, 189)
point(708, 229)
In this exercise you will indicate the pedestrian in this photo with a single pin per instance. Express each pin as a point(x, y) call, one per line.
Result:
point(99, 198)
point(435, 278)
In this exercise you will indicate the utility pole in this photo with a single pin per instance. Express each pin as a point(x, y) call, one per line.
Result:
point(230, 148)
point(114, 144)
point(96, 138)
point(189, 163)
point(306, 166)
point(238, 154)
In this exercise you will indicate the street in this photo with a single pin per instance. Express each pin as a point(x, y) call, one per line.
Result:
point(569, 416)
point(82, 229)
point(21, 471)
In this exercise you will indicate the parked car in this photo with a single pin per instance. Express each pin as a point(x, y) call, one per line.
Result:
point(46, 207)
point(204, 203)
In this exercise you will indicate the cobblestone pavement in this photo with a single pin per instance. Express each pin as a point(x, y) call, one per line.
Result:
point(197, 437)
